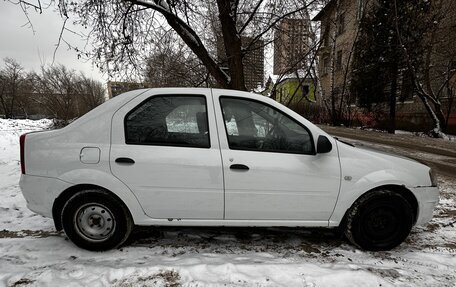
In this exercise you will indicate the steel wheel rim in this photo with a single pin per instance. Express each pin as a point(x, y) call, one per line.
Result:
point(382, 224)
point(95, 222)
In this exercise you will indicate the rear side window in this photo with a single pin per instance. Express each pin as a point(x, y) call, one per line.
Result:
point(169, 120)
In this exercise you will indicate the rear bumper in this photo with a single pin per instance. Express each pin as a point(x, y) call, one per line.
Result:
point(427, 197)
point(40, 192)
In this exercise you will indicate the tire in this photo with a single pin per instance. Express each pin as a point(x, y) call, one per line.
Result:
point(96, 221)
point(379, 220)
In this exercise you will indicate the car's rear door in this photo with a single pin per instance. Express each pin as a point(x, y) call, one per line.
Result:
point(165, 148)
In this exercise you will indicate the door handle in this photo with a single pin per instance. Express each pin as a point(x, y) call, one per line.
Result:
point(124, 160)
point(239, 167)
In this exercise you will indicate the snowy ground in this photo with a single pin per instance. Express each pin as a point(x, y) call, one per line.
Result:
point(33, 254)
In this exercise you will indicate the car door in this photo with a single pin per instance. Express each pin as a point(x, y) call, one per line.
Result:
point(164, 147)
point(271, 169)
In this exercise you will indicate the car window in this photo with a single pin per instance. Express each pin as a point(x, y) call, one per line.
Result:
point(252, 125)
point(169, 120)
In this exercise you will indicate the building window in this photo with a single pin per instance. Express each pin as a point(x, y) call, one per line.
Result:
point(326, 36)
point(452, 65)
point(326, 65)
point(341, 24)
point(339, 60)
point(305, 90)
point(361, 7)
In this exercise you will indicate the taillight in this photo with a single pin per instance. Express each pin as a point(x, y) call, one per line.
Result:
point(22, 144)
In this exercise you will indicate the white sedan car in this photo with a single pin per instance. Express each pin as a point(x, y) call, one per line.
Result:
point(212, 157)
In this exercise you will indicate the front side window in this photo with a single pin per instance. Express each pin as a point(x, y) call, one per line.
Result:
point(169, 120)
point(251, 125)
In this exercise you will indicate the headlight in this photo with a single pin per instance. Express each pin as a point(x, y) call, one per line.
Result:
point(433, 177)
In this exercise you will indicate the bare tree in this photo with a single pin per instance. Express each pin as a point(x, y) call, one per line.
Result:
point(122, 32)
point(66, 94)
point(57, 87)
point(90, 94)
point(12, 83)
point(172, 64)
point(430, 83)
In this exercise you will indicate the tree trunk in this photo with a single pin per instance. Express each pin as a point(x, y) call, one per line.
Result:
point(425, 96)
point(392, 103)
point(199, 51)
point(189, 36)
point(440, 115)
point(333, 113)
point(233, 44)
point(3, 103)
point(450, 96)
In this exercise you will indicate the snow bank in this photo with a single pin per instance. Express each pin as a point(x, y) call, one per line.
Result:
point(14, 214)
point(33, 254)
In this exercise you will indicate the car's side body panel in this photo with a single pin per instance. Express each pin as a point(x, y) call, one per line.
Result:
point(55, 159)
point(194, 186)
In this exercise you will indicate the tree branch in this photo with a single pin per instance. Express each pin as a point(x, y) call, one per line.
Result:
point(252, 15)
point(189, 36)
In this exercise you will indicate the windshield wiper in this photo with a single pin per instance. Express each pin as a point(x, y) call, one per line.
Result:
point(347, 143)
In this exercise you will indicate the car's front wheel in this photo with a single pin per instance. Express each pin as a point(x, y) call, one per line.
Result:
point(379, 220)
point(95, 220)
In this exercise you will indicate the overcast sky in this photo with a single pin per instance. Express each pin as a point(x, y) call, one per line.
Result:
point(32, 50)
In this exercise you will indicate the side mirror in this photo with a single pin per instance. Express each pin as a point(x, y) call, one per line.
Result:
point(323, 145)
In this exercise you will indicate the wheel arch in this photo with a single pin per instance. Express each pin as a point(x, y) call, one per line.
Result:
point(400, 189)
point(60, 201)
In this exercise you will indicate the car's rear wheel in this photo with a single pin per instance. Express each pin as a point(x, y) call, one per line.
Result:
point(96, 220)
point(379, 220)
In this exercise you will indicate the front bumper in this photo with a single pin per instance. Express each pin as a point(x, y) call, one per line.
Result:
point(427, 197)
point(40, 192)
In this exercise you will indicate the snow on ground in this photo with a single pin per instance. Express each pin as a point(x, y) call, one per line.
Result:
point(448, 137)
point(14, 215)
point(33, 254)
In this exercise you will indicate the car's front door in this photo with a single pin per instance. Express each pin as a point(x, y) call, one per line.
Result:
point(270, 166)
point(164, 149)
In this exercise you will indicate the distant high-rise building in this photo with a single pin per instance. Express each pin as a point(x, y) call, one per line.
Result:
point(253, 61)
point(291, 45)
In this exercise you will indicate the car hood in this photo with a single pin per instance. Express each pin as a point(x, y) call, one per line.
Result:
point(389, 155)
